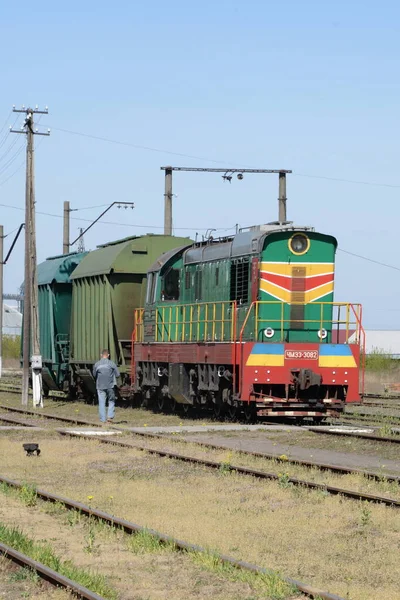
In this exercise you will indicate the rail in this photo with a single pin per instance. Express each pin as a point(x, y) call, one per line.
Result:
point(132, 528)
point(43, 571)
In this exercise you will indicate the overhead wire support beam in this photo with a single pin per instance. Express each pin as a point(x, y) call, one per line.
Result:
point(126, 204)
point(225, 170)
point(227, 176)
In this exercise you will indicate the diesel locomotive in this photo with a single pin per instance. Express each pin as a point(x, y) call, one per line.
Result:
point(247, 325)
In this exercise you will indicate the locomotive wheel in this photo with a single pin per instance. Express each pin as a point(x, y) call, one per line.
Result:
point(219, 410)
point(232, 412)
point(250, 412)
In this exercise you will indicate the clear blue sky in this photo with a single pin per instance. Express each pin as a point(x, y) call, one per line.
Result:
point(308, 86)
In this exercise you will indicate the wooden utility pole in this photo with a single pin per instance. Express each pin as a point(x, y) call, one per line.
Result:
point(1, 296)
point(31, 308)
point(67, 211)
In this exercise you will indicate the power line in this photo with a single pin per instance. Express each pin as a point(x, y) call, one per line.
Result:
point(19, 167)
point(389, 185)
point(377, 262)
point(139, 147)
point(224, 162)
point(10, 161)
point(116, 223)
point(11, 146)
point(5, 136)
point(6, 121)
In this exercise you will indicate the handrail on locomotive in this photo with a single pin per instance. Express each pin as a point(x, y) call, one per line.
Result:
point(216, 321)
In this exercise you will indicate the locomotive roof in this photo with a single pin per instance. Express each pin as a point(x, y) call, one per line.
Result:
point(247, 241)
point(58, 268)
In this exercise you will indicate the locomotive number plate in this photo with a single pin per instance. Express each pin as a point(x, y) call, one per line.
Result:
point(301, 354)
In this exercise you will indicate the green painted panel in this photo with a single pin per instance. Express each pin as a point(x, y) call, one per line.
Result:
point(132, 255)
point(295, 287)
point(107, 288)
point(58, 268)
point(54, 297)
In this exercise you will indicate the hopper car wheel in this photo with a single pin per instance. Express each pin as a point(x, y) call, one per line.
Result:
point(45, 390)
point(187, 409)
point(72, 392)
point(173, 405)
point(162, 404)
point(250, 412)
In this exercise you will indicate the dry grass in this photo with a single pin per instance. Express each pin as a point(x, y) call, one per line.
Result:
point(17, 582)
point(281, 467)
point(137, 567)
point(339, 545)
point(125, 415)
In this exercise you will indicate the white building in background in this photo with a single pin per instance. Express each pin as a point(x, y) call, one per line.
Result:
point(386, 342)
point(12, 320)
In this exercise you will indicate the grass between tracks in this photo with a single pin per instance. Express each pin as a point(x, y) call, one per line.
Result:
point(19, 582)
point(203, 575)
point(44, 553)
point(340, 545)
point(281, 466)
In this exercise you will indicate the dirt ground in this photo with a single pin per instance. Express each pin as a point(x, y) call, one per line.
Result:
point(16, 582)
point(124, 415)
point(152, 573)
point(340, 545)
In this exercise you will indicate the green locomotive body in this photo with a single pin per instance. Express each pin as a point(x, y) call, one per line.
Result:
point(262, 298)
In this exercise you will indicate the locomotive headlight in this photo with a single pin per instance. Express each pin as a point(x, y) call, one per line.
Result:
point(322, 333)
point(269, 332)
point(299, 243)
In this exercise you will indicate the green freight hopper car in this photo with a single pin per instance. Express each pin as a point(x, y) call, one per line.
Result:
point(109, 284)
point(55, 299)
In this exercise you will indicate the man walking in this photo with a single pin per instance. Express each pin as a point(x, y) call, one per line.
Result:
point(105, 373)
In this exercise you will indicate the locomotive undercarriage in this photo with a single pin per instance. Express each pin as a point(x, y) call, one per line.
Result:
point(165, 386)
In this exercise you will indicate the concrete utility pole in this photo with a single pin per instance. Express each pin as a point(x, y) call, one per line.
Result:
point(282, 197)
point(67, 211)
point(31, 308)
point(1, 296)
point(168, 201)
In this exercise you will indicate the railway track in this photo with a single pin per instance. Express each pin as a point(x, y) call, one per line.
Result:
point(54, 578)
point(321, 466)
point(291, 461)
point(245, 471)
point(133, 528)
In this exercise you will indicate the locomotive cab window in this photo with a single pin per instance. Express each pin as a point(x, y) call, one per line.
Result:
point(171, 285)
point(151, 288)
